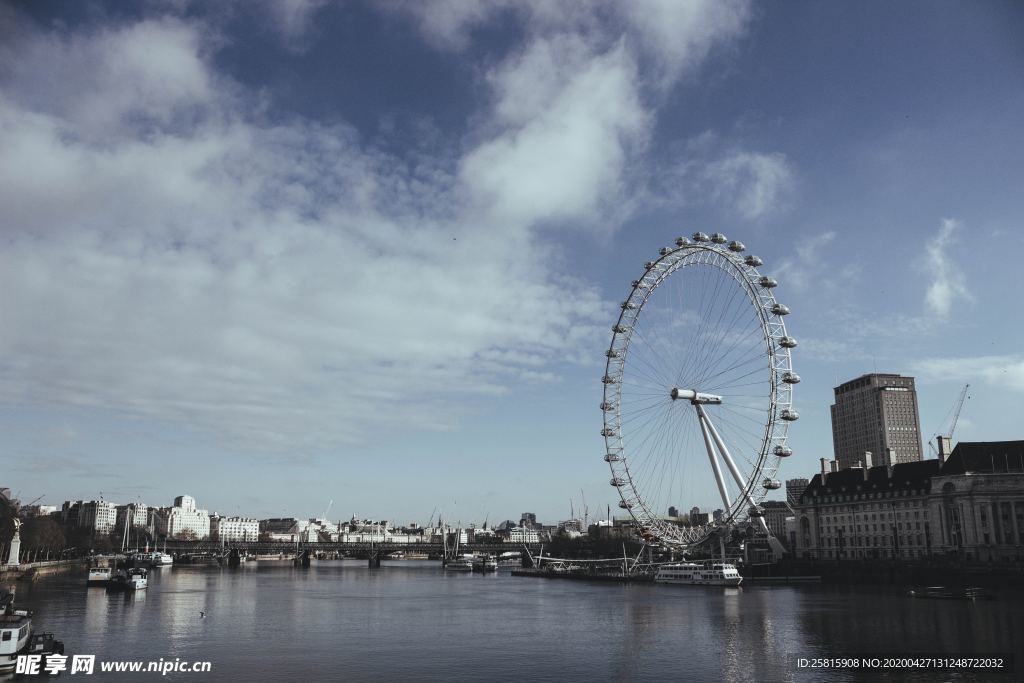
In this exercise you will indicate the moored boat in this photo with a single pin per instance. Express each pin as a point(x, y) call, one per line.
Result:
point(462, 563)
point(485, 563)
point(136, 579)
point(714, 573)
point(98, 576)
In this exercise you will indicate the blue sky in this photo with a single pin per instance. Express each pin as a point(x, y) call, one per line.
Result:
point(273, 254)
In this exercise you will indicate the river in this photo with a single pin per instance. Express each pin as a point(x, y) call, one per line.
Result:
point(409, 620)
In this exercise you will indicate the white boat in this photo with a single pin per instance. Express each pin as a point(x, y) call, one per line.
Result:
point(714, 573)
point(137, 579)
point(98, 576)
point(15, 632)
point(158, 559)
point(485, 563)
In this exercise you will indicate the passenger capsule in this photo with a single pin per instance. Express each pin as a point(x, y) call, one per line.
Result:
point(665, 251)
point(768, 282)
point(753, 261)
point(755, 512)
point(771, 484)
point(682, 242)
point(608, 379)
point(627, 305)
point(719, 238)
point(612, 353)
point(780, 309)
point(624, 505)
point(619, 329)
point(700, 237)
point(648, 265)
point(607, 431)
point(607, 406)
point(787, 343)
point(640, 284)
point(612, 457)
point(789, 415)
point(790, 377)
point(617, 482)
point(737, 246)
point(783, 451)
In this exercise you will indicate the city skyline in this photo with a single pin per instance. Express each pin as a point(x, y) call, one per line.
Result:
point(373, 254)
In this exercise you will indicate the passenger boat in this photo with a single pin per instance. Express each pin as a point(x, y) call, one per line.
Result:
point(98, 576)
point(15, 632)
point(485, 563)
point(158, 559)
point(713, 573)
point(943, 593)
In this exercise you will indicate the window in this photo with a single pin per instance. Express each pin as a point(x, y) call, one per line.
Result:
point(7, 635)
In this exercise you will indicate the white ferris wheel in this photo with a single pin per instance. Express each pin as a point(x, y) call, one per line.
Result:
point(698, 390)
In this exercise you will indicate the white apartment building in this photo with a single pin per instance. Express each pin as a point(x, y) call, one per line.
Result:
point(228, 529)
point(183, 519)
point(520, 534)
point(98, 515)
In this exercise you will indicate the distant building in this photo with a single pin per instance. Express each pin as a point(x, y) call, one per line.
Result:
point(672, 511)
point(230, 529)
point(717, 515)
point(698, 518)
point(529, 520)
point(98, 515)
point(876, 414)
point(795, 489)
point(522, 534)
point(775, 513)
point(37, 510)
point(136, 515)
point(183, 520)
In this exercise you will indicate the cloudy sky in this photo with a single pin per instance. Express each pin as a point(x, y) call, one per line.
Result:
point(273, 254)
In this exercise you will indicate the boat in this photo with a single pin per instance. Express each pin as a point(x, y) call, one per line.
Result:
point(462, 563)
point(158, 559)
point(485, 563)
point(136, 579)
point(133, 579)
point(714, 573)
point(944, 593)
point(98, 576)
point(510, 559)
point(15, 632)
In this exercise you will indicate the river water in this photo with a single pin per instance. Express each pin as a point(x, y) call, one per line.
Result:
point(409, 620)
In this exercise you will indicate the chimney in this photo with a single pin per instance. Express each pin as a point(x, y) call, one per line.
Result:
point(835, 465)
point(867, 460)
point(890, 454)
point(944, 448)
point(824, 469)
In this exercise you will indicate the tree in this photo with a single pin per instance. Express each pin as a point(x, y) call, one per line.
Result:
point(42, 532)
point(186, 535)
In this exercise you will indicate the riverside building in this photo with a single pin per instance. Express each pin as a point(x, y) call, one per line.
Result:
point(967, 504)
point(182, 520)
point(876, 414)
point(229, 529)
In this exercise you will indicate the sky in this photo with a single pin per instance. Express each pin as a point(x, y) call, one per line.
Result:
point(286, 255)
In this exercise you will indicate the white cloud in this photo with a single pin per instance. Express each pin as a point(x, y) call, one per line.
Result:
point(947, 281)
point(568, 118)
point(756, 184)
point(168, 253)
point(1006, 372)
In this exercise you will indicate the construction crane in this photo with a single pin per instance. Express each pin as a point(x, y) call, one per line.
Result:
point(955, 412)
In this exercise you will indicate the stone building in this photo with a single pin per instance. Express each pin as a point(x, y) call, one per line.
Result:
point(967, 504)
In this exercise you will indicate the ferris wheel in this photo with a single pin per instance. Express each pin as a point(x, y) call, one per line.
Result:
point(698, 391)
